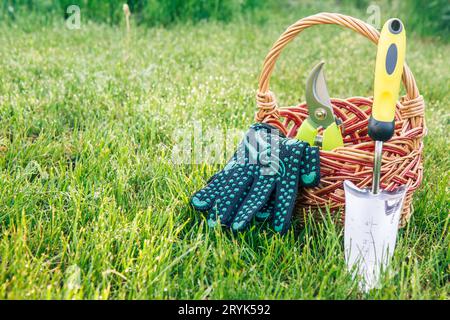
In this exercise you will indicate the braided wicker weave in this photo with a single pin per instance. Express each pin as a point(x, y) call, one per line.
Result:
point(402, 155)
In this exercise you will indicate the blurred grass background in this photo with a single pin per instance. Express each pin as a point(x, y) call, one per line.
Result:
point(426, 18)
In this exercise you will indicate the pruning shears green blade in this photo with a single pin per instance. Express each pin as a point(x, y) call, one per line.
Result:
point(320, 113)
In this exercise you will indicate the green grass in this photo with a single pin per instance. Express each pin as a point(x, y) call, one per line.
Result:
point(91, 205)
point(424, 17)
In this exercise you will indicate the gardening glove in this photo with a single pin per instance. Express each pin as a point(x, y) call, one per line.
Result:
point(261, 179)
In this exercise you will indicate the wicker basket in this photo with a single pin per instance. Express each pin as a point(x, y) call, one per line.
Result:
point(402, 155)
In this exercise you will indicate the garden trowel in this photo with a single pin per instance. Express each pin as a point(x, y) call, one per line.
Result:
point(372, 216)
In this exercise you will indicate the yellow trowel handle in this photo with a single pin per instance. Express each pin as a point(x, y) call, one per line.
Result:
point(388, 74)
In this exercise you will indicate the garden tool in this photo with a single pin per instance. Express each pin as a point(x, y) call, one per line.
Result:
point(320, 114)
point(372, 216)
point(261, 180)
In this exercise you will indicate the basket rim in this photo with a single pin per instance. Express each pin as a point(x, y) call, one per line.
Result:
point(267, 105)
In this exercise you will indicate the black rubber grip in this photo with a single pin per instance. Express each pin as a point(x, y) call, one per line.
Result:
point(380, 130)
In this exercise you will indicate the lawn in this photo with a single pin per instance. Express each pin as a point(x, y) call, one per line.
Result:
point(93, 207)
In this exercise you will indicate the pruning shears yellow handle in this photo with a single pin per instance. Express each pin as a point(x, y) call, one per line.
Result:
point(307, 132)
point(388, 73)
point(320, 114)
point(332, 137)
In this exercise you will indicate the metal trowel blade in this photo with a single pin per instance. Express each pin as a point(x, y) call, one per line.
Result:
point(370, 231)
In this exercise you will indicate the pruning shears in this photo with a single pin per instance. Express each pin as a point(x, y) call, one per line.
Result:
point(321, 114)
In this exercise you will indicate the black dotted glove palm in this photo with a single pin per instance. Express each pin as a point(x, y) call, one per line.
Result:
point(261, 180)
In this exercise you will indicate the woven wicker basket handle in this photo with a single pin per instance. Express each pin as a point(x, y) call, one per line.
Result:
point(266, 100)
